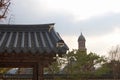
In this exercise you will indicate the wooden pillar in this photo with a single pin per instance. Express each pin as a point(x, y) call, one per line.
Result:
point(40, 71)
point(35, 72)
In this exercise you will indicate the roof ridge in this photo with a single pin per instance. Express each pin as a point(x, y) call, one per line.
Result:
point(30, 24)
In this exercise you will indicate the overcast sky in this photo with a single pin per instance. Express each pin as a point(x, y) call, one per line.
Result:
point(98, 20)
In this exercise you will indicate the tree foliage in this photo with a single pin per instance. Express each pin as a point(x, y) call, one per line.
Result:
point(78, 64)
point(4, 70)
point(114, 53)
point(82, 64)
point(112, 66)
point(4, 5)
point(114, 62)
point(56, 66)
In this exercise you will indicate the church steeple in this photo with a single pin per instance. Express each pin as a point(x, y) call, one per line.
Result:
point(81, 43)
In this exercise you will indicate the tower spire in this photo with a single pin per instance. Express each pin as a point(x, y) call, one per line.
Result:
point(81, 43)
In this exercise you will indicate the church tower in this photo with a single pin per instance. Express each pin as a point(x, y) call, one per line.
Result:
point(81, 43)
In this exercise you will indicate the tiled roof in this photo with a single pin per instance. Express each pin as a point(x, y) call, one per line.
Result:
point(30, 39)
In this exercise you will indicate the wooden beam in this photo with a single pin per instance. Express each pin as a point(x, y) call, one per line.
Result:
point(40, 71)
point(16, 64)
point(35, 72)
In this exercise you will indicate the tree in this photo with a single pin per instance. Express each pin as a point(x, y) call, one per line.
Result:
point(82, 65)
point(4, 5)
point(55, 68)
point(4, 70)
point(114, 64)
point(103, 71)
point(79, 64)
point(114, 53)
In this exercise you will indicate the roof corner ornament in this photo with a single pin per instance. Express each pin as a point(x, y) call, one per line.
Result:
point(60, 43)
point(50, 27)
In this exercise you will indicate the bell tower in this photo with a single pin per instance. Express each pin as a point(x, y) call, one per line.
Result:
point(81, 43)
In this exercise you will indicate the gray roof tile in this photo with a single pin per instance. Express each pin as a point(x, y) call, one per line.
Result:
point(30, 39)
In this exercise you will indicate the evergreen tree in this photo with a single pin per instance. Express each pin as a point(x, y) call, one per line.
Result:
point(82, 65)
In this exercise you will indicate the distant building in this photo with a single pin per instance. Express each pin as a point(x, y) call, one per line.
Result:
point(81, 43)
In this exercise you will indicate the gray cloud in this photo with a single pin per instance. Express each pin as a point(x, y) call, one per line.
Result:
point(65, 24)
point(99, 25)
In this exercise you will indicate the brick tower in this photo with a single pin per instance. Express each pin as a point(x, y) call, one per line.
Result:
point(81, 43)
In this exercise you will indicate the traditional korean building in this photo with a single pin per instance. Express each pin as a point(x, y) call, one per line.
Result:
point(30, 46)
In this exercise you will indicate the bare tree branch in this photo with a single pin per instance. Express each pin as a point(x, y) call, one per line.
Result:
point(4, 5)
